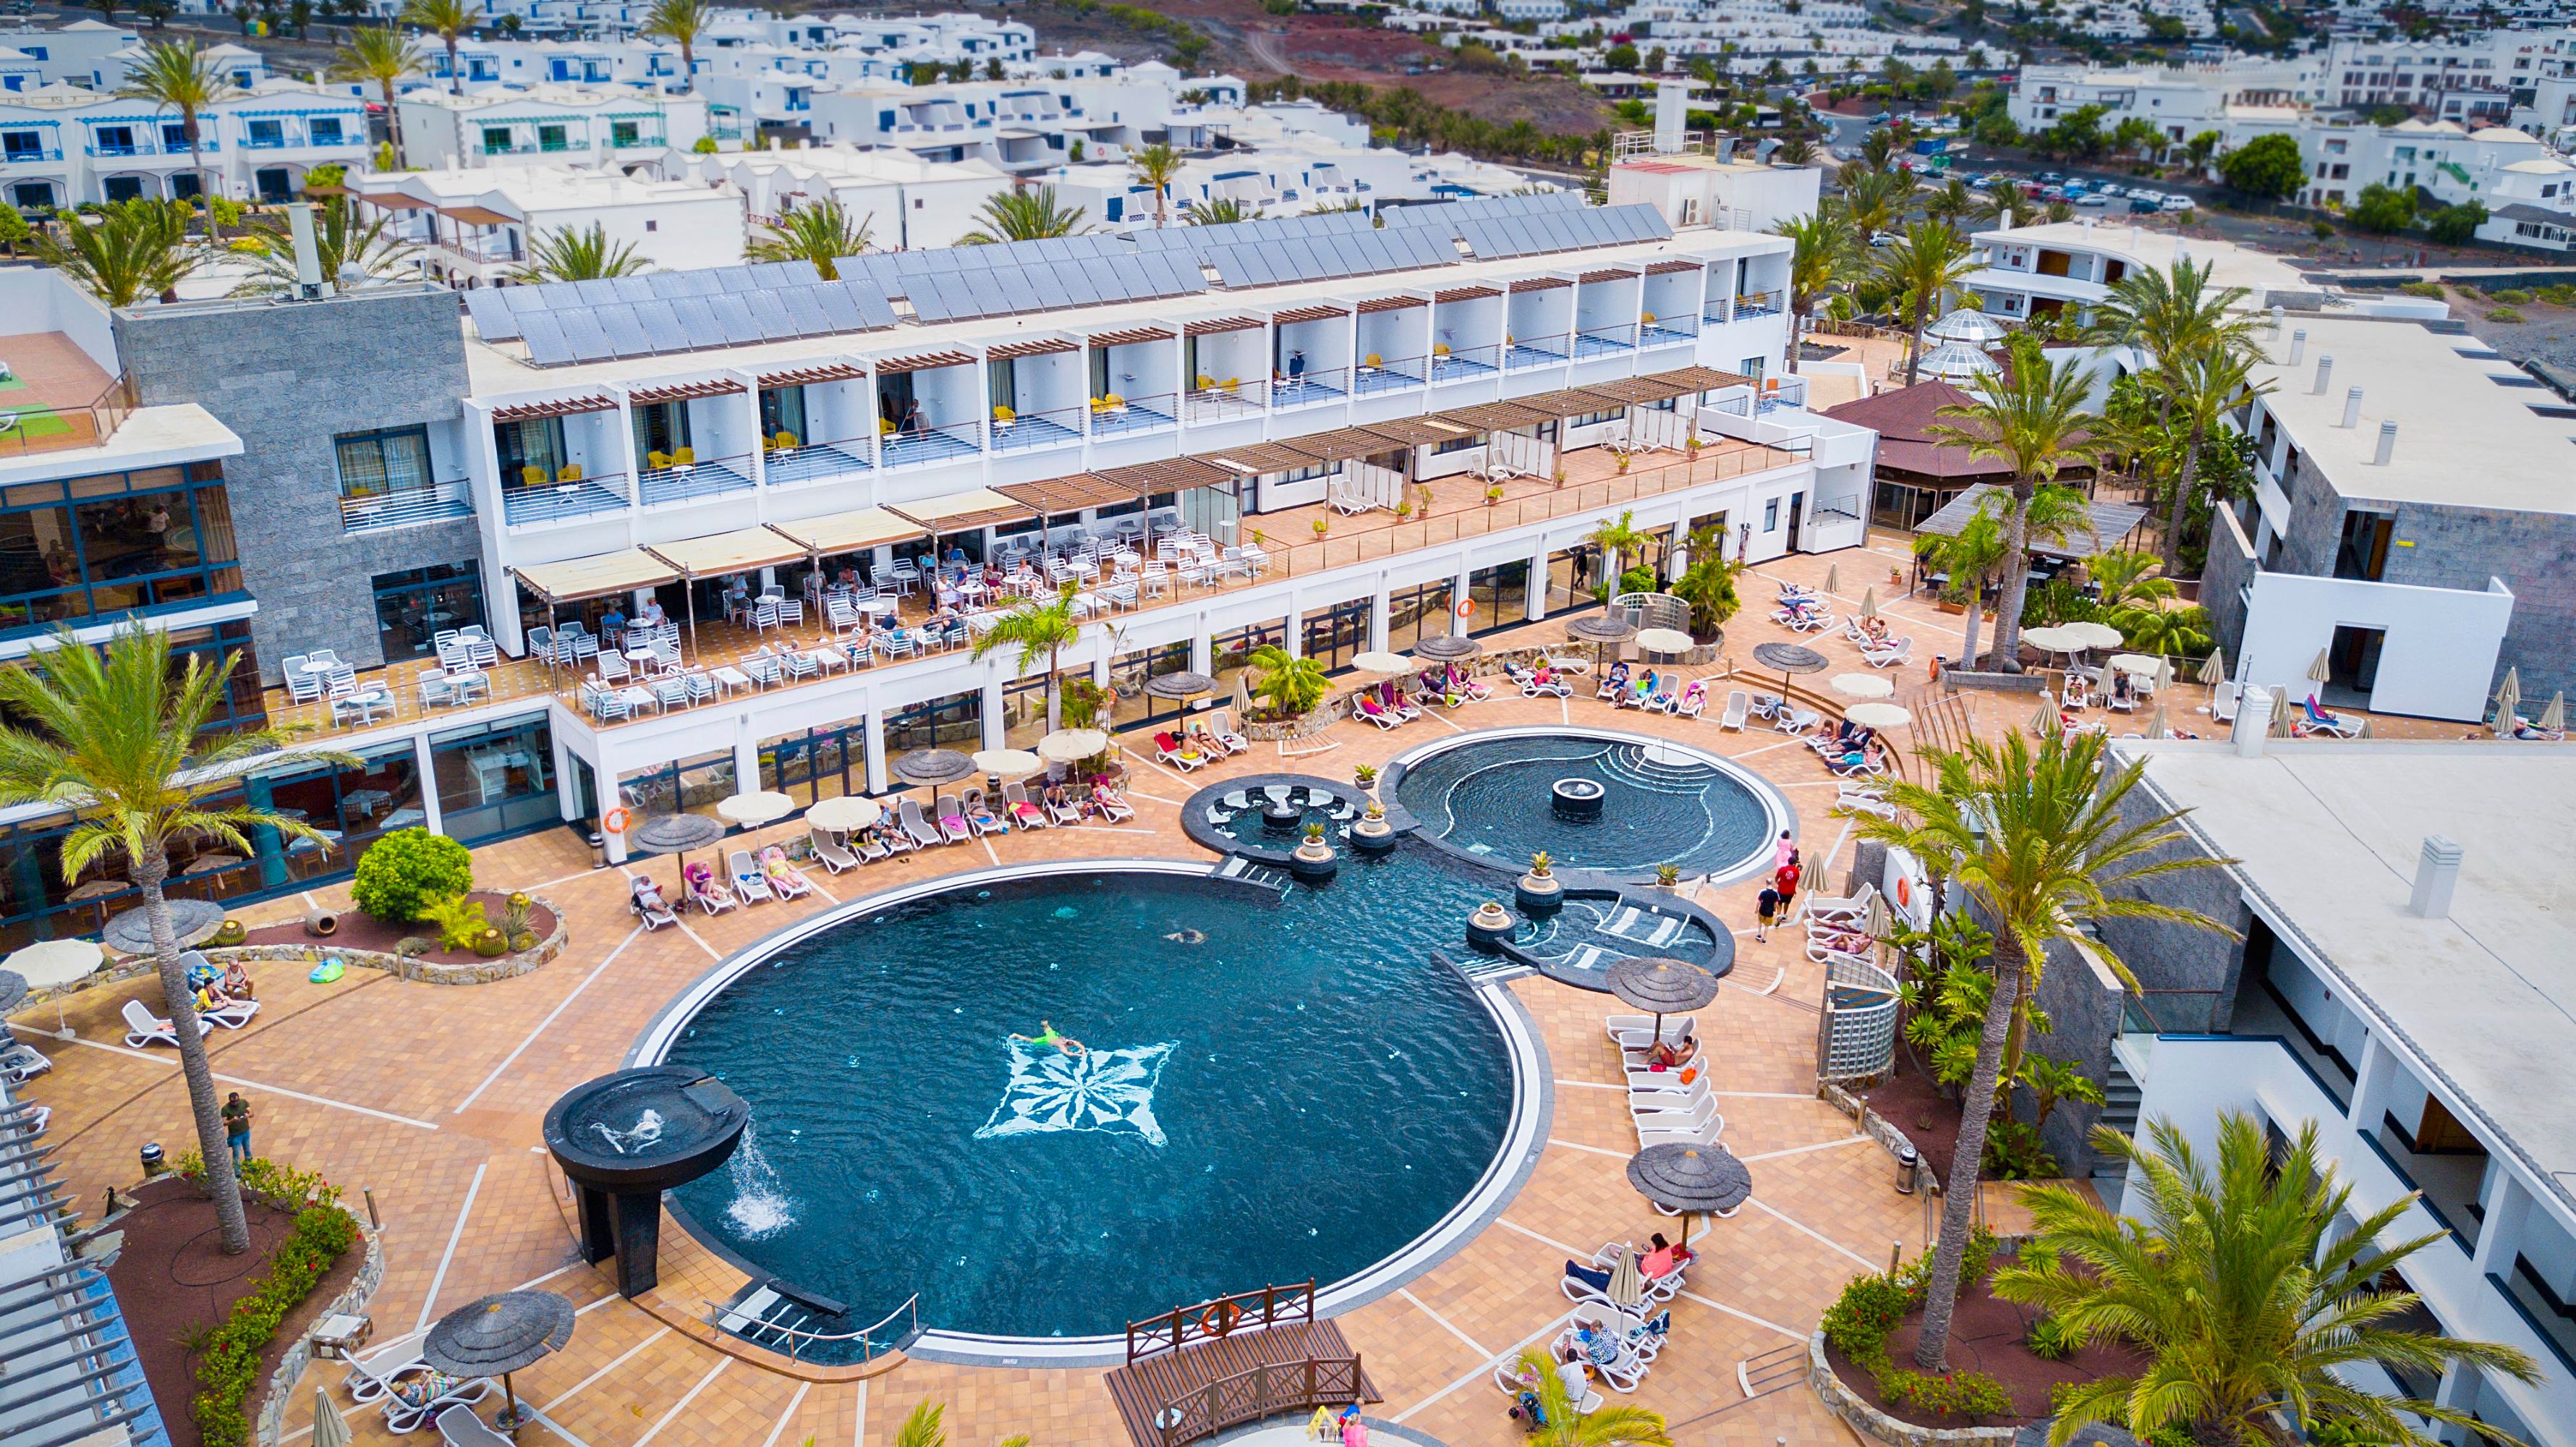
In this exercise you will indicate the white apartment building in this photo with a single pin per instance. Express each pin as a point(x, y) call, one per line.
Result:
point(906, 202)
point(1282, 178)
point(474, 224)
point(576, 126)
point(2396, 982)
point(1695, 179)
point(75, 53)
point(2180, 102)
point(61, 145)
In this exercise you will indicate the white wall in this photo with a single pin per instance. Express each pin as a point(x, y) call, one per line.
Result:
point(2436, 662)
point(38, 299)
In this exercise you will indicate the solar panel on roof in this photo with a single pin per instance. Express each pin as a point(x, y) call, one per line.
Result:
point(631, 288)
point(625, 333)
point(831, 301)
point(769, 311)
point(1015, 292)
point(697, 322)
point(591, 293)
point(959, 297)
point(547, 346)
point(661, 326)
point(874, 310)
point(1071, 285)
point(583, 333)
point(490, 309)
point(735, 280)
point(732, 314)
point(799, 272)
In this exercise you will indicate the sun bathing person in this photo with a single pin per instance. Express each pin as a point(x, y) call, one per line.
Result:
point(1664, 1054)
point(237, 981)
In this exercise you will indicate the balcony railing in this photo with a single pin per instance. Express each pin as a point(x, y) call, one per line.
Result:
point(1664, 331)
point(1460, 364)
point(1220, 403)
point(557, 501)
point(1050, 427)
point(485, 248)
point(1757, 304)
point(531, 148)
point(1605, 341)
point(817, 461)
point(934, 442)
point(374, 512)
point(28, 157)
point(1389, 374)
point(1715, 313)
point(1147, 412)
point(1547, 351)
point(695, 481)
point(84, 424)
point(1311, 387)
point(2551, 1320)
point(208, 146)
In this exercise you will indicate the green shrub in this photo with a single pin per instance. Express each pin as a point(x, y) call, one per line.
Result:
point(2051, 1340)
point(401, 873)
point(2510, 296)
point(2505, 315)
point(459, 920)
point(228, 1369)
point(1958, 1394)
point(2560, 295)
point(1861, 1319)
point(2429, 289)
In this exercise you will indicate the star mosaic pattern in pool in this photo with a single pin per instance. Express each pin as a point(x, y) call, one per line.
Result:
point(1096, 1090)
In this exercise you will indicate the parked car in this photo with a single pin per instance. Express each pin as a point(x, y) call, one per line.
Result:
point(2142, 205)
point(2176, 202)
point(2091, 198)
point(2110, 188)
point(2049, 178)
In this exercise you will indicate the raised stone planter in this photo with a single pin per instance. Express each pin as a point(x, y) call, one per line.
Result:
point(1955, 679)
point(1879, 1129)
point(420, 971)
point(1875, 1425)
point(1290, 730)
point(269, 1422)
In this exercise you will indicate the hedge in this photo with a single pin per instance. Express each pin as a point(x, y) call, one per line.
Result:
point(229, 1367)
point(1861, 1319)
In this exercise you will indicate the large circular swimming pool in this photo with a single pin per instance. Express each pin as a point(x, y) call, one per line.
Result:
point(1276, 1083)
point(1489, 795)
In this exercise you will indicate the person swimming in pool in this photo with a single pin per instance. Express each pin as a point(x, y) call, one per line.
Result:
point(1187, 936)
point(1047, 1036)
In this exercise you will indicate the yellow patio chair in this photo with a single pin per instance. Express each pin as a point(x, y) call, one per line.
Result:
point(571, 473)
point(657, 459)
point(1002, 413)
point(533, 476)
point(785, 441)
point(885, 427)
point(1374, 360)
point(685, 457)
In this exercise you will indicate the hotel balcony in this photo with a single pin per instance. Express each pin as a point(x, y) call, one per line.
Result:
point(816, 462)
point(562, 501)
point(403, 507)
point(695, 481)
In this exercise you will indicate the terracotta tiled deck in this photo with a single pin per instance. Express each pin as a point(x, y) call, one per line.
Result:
point(430, 1099)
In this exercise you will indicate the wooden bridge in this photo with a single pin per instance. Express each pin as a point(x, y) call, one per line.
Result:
point(1197, 1370)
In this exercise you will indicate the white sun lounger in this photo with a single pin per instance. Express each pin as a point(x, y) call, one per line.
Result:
point(921, 831)
point(748, 881)
point(834, 857)
point(142, 1027)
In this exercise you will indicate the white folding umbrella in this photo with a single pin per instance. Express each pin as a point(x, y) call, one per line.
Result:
point(330, 1429)
point(2321, 670)
point(1389, 665)
point(2091, 635)
point(52, 964)
point(1833, 577)
point(1072, 746)
point(845, 813)
point(755, 809)
point(1862, 685)
point(2553, 719)
point(1879, 715)
point(1016, 763)
point(1869, 601)
point(2214, 671)
point(2156, 728)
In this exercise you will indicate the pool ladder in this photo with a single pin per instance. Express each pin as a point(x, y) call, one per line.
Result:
point(1268, 876)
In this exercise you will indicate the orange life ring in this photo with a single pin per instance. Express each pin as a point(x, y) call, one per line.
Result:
point(1904, 891)
point(1466, 607)
point(1220, 1318)
point(614, 821)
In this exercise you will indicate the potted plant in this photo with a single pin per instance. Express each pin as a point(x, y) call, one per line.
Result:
point(1372, 834)
point(1619, 462)
point(1323, 526)
point(1691, 445)
point(1313, 858)
point(1668, 876)
point(1403, 510)
point(1559, 478)
point(1365, 775)
point(1540, 890)
point(1494, 495)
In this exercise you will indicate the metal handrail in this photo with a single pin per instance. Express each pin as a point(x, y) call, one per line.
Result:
point(798, 1337)
point(399, 507)
point(1240, 1311)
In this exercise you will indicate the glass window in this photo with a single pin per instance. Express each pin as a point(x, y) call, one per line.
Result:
point(1771, 515)
point(132, 542)
point(351, 807)
point(415, 605)
point(1337, 634)
point(1130, 672)
point(324, 130)
point(690, 786)
point(531, 452)
point(496, 140)
point(956, 721)
point(1501, 596)
point(622, 133)
point(1024, 719)
point(1230, 653)
point(375, 463)
point(818, 764)
point(1413, 612)
point(497, 779)
point(1571, 575)
point(267, 133)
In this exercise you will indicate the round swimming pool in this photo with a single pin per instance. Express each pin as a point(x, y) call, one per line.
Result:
point(1495, 795)
point(1276, 1083)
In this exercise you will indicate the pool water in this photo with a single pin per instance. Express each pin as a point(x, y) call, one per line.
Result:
point(1238, 816)
point(1279, 1083)
point(1490, 797)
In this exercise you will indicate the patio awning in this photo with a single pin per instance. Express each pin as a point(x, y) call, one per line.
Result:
point(1256, 459)
point(1212, 325)
point(574, 579)
point(1665, 268)
point(921, 362)
point(1640, 390)
point(808, 376)
point(566, 407)
point(1344, 444)
point(1312, 312)
point(1060, 495)
point(1465, 293)
point(684, 391)
point(477, 216)
point(1607, 274)
point(397, 201)
point(1542, 283)
point(1130, 336)
point(733, 552)
point(1572, 402)
point(1013, 351)
point(1419, 431)
point(848, 532)
point(1391, 304)
point(959, 512)
point(1172, 474)
point(1703, 379)
point(1495, 416)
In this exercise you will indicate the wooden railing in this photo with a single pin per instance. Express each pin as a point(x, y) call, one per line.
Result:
point(1209, 1320)
point(1264, 1391)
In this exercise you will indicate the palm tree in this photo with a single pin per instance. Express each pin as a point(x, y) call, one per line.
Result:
point(1566, 1427)
point(131, 251)
point(680, 22)
point(180, 76)
point(1024, 215)
point(569, 255)
point(1818, 262)
point(2004, 204)
point(339, 238)
point(2247, 1291)
point(1924, 268)
point(1795, 151)
point(1875, 200)
point(1614, 538)
point(1225, 211)
point(2201, 386)
point(1953, 203)
point(1035, 628)
point(2034, 839)
point(384, 56)
point(2127, 578)
point(1291, 686)
point(1969, 557)
point(822, 233)
point(2029, 416)
point(446, 19)
point(116, 737)
point(1157, 165)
